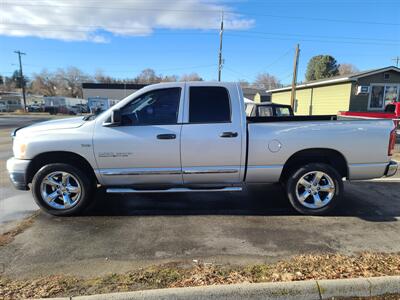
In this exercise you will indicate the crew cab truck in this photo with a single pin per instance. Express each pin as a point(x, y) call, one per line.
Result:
point(195, 137)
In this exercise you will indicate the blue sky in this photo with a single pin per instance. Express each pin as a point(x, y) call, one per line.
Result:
point(260, 35)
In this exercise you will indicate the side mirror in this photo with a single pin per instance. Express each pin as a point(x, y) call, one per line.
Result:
point(115, 119)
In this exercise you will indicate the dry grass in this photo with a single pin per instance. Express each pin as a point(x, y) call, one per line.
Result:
point(302, 267)
point(9, 236)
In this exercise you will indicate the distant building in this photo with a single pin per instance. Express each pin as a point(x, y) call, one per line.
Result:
point(10, 101)
point(257, 95)
point(111, 91)
point(362, 91)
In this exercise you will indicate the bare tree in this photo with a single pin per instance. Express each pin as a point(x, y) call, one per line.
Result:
point(70, 81)
point(190, 77)
point(267, 81)
point(169, 78)
point(148, 76)
point(345, 69)
point(100, 77)
point(243, 83)
point(7, 84)
point(44, 83)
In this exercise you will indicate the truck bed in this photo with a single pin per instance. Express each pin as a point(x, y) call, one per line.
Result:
point(291, 118)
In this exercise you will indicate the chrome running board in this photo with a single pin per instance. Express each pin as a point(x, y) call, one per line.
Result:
point(172, 190)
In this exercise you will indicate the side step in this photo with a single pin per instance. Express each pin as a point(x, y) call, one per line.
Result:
point(172, 190)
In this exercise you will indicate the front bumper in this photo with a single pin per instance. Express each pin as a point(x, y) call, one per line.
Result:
point(391, 168)
point(17, 170)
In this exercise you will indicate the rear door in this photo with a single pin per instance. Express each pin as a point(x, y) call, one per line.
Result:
point(211, 138)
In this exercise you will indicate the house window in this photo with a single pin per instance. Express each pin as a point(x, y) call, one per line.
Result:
point(386, 76)
point(391, 92)
point(381, 95)
point(376, 98)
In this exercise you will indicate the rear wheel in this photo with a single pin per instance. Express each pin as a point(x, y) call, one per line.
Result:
point(314, 189)
point(62, 190)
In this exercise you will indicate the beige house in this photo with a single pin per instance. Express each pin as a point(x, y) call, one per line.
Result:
point(363, 91)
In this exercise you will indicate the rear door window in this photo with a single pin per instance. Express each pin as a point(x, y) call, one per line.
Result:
point(209, 104)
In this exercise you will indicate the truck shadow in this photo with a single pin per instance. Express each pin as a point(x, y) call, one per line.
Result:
point(371, 201)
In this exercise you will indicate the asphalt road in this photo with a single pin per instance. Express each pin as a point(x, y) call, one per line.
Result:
point(14, 205)
point(120, 232)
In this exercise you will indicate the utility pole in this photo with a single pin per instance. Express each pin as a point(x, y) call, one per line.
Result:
point(21, 76)
point(294, 80)
point(397, 60)
point(220, 60)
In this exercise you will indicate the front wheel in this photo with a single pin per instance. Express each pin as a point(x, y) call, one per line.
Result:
point(314, 189)
point(61, 189)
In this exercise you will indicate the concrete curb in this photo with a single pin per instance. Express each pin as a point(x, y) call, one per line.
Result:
point(296, 290)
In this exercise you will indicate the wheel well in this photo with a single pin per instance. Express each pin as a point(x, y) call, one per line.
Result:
point(332, 157)
point(66, 157)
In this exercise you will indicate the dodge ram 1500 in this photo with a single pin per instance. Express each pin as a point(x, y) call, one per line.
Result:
point(195, 137)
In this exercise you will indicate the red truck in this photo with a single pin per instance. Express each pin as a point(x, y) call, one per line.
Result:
point(392, 111)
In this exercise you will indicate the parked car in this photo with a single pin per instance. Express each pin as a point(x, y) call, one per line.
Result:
point(3, 107)
point(34, 108)
point(195, 137)
point(268, 110)
point(64, 105)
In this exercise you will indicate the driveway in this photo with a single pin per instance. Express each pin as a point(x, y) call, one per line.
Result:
point(120, 232)
point(123, 232)
point(14, 205)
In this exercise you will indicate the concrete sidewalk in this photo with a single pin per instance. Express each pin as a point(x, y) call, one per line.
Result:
point(296, 290)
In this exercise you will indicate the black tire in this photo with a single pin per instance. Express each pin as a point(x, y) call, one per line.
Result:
point(294, 177)
point(87, 188)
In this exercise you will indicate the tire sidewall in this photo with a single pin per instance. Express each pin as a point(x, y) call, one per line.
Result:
point(84, 181)
point(298, 173)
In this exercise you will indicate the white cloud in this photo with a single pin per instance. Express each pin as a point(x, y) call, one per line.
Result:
point(89, 20)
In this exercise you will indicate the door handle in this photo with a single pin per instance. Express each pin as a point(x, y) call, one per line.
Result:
point(229, 134)
point(166, 136)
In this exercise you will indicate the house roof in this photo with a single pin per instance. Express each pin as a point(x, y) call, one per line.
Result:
point(341, 78)
point(253, 91)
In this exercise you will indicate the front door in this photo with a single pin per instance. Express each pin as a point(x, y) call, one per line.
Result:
point(145, 148)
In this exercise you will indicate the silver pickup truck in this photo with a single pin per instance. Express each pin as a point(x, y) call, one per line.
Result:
point(195, 137)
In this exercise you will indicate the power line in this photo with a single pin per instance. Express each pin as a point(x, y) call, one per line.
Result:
point(312, 40)
point(243, 34)
point(216, 10)
point(278, 59)
point(157, 70)
point(99, 26)
point(266, 67)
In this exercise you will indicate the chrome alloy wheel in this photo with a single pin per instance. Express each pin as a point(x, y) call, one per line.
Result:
point(60, 190)
point(315, 189)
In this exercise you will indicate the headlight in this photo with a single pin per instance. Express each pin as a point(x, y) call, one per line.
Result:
point(19, 149)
